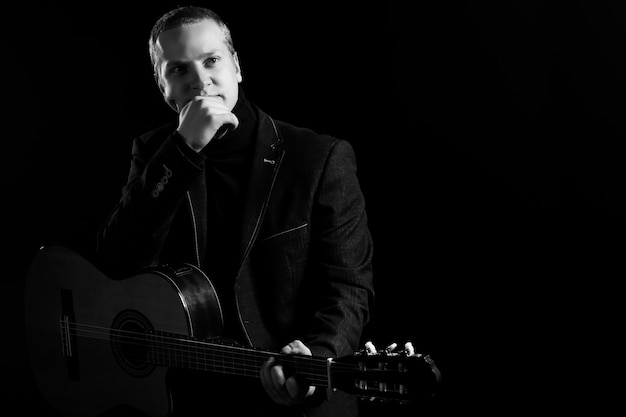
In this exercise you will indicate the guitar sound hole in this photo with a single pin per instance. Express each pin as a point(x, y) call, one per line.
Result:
point(129, 341)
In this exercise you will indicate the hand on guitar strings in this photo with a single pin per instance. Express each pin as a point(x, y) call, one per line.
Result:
point(286, 390)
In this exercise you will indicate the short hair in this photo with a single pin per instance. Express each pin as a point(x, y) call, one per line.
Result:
point(182, 16)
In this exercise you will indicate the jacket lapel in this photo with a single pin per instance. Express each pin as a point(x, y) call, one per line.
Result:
point(197, 206)
point(266, 162)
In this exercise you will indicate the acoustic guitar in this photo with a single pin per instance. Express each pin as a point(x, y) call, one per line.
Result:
point(95, 343)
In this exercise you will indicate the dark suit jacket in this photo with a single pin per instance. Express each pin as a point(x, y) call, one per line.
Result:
point(305, 249)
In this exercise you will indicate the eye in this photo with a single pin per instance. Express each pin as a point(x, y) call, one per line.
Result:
point(211, 61)
point(176, 70)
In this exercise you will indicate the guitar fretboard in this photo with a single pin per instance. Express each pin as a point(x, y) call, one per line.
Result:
point(218, 357)
point(181, 351)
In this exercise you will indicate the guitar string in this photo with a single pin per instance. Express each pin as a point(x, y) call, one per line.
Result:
point(372, 390)
point(177, 341)
point(239, 367)
point(313, 379)
point(175, 345)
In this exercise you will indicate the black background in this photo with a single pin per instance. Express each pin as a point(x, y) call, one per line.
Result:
point(489, 140)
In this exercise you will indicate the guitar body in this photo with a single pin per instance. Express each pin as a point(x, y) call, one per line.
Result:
point(90, 375)
point(96, 344)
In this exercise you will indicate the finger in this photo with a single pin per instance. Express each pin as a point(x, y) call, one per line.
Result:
point(228, 119)
point(206, 104)
point(267, 381)
point(183, 108)
point(217, 101)
point(298, 391)
point(227, 123)
point(281, 395)
point(272, 379)
point(265, 373)
point(294, 386)
point(294, 389)
point(213, 108)
point(296, 348)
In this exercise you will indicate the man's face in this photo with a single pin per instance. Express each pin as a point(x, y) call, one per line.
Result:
point(197, 62)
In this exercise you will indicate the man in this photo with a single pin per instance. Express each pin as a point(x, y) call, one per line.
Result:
point(272, 213)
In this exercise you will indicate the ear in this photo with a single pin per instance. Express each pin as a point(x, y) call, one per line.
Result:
point(157, 80)
point(237, 67)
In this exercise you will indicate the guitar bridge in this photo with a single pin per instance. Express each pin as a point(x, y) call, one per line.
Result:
point(68, 343)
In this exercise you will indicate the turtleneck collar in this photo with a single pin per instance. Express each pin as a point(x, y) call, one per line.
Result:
point(240, 137)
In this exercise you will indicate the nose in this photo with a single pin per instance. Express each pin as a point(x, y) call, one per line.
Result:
point(199, 77)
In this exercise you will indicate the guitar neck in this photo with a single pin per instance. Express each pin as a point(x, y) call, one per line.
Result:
point(114, 334)
point(217, 357)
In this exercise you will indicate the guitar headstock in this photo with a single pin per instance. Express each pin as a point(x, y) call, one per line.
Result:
point(388, 375)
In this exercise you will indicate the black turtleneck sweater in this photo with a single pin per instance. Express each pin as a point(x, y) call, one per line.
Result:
point(227, 171)
point(227, 163)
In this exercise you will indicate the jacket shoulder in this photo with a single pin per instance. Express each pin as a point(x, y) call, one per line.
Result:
point(309, 143)
point(312, 152)
point(158, 134)
point(290, 132)
point(152, 140)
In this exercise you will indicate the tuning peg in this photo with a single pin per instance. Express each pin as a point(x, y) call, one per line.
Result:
point(390, 348)
point(370, 348)
point(409, 350)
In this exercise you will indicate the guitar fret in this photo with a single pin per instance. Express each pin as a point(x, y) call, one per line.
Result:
point(186, 352)
point(176, 355)
point(184, 355)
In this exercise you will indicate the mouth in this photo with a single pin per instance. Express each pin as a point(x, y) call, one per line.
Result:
point(182, 104)
point(205, 94)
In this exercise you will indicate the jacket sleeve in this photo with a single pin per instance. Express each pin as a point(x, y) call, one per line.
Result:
point(341, 264)
point(134, 233)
